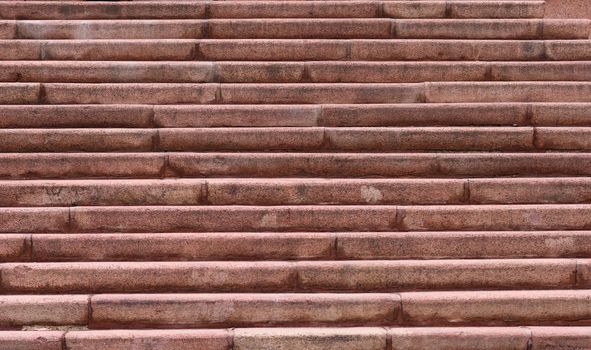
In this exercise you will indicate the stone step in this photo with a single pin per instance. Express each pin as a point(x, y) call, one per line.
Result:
point(296, 50)
point(295, 191)
point(308, 139)
point(326, 115)
point(293, 93)
point(296, 218)
point(376, 28)
point(278, 276)
point(484, 308)
point(268, 9)
point(330, 338)
point(265, 165)
point(289, 72)
point(254, 246)
point(197, 310)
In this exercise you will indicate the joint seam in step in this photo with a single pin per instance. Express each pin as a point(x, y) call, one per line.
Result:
point(90, 312)
point(530, 339)
point(448, 10)
point(231, 336)
point(63, 344)
point(335, 248)
point(389, 339)
point(31, 251)
point(467, 193)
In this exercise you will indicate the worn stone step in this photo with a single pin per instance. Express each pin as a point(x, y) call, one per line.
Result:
point(228, 310)
point(358, 276)
point(255, 192)
point(204, 246)
point(293, 93)
point(294, 191)
point(311, 139)
point(17, 311)
point(376, 28)
point(364, 139)
point(295, 50)
point(264, 165)
point(289, 72)
point(327, 338)
point(268, 9)
point(296, 218)
point(252, 246)
point(566, 307)
point(560, 307)
point(328, 115)
point(369, 165)
point(549, 307)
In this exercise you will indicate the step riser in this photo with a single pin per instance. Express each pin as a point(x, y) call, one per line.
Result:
point(294, 192)
point(392, 115)
point(270, 9)
point(234, 310)
point(293, 246)
point(299, 139)
point(297, 29)
point(289, 72)
point(158, 165)
point(343, 93)
point(295, 50)
point(296, 218)
point(367, 338)
point(365, 276)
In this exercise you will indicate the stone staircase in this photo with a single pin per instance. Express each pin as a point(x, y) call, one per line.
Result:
point(304, 175)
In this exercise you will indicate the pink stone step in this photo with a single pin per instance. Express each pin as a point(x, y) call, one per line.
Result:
point(252, 246)
point(482, 338)
point(101, 10)
point(308, 338)
point(234, 310)
point(269, 9)
point(288, 72)
point(329, 115)
point(486, 244)
point(236, 116)
point(454, 92)
point(355, 276)
point(490, 29)
point(336, 165)
point(460, 114)
point(228, 218)
point(351, 139)
point(78, 140)
point(81, 165)
point(148, 277)
point(172, 246)
point(380, 165)
point(494, 217)
point(212, 28)
point(376, 28)
point(495, 308)
point(15, 247)
point(185, 339)
point(297, 218)
point(293, 93)
point(560, 337)
point(237, 191)
point(40, 340)
point(129, 93)
point(530, 190)
point(294, 50)
point(48, 310)
point(76, 116)
point(311, 338)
